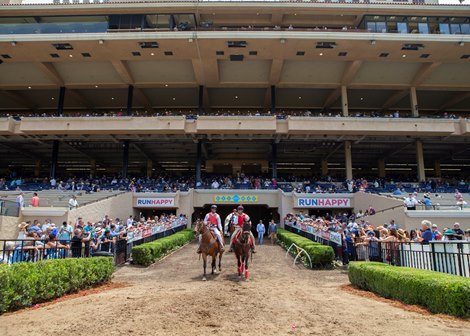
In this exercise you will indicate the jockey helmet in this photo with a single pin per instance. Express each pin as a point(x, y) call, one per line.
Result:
point(240, 207)
point(213, 206)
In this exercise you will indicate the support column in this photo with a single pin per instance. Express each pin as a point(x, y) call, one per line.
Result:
point(125, 158)
point(92, 168)
point(414, 102)
point(420, 160)
point(199, 161)
point(37, 168)
point(274, 159)
point(344, 100)
point(130, 99)
point(55, 158)
point(348, 160)
point(273, 99)
point(200, 104)
point(61, 101)
point(381, 167)
point(437, 168)
point(324, 167)
point(149, 168)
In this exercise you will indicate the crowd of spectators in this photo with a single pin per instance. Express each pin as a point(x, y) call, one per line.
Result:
point(172, 183)
point(360, 238)
point(37, 241)
point(280, 114)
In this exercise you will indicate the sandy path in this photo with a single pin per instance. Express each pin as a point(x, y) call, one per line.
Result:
point(169, 298)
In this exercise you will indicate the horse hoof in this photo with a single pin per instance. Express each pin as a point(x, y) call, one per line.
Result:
point(204, 279)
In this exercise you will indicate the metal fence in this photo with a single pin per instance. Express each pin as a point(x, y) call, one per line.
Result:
point(27, 250)
point(451, 257)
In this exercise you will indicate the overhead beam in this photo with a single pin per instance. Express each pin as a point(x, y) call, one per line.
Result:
point(123, 71)
point(143, 99)
point(395, 98)
point(351, 70)
point(424, 71)
point(332, 97)
point(454, 100)
point(50, 71)
point(87, 155)
point(276, 70)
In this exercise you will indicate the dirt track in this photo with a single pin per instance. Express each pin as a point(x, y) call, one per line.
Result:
point(169, 298)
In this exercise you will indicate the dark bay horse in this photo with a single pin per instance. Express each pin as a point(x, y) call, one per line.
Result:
point(209, 247)
point(242, 250)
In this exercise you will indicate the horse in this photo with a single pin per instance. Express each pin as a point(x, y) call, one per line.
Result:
point(209, 247)
point(242, 248)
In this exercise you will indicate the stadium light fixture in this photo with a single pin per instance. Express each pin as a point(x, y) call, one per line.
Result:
point(461, 43)
point(13, 43)
point(283, 40)
point(372, 42)
point(101, 41)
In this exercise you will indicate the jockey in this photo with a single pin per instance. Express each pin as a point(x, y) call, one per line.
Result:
point(238, 220)
point(229, 221)
point(212, 221)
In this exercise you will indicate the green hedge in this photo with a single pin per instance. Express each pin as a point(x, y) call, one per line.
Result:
point(148, 253)
point(439, 292)
point(321, 255)
point(25, 284)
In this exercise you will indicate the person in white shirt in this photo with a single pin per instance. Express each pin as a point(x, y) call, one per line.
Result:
point(73, 203)
point(53, 183)
point(215, 185)
point(20, 201)
point(130, 221)
point(410, 202)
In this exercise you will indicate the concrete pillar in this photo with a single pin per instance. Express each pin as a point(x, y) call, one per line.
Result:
point(344, 101)
point(348, 160)
point(381, 167)
point(273, 99)
point(130, 99)
point(55, 158)
point(199, 161)
point(437, 168)
point(149, 168)
point(414, 102)
point(420, 160)
point(125, 158)
point(37, 168)
point(324, 167)
point(92, 167)
point(61, 101)
point(274, 160)
point(200, 104)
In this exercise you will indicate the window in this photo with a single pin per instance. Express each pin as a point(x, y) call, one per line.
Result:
point(455, 28)
point(423, 28)
point(444, 28)
point(402, 27)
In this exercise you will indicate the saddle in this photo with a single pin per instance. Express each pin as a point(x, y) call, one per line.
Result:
point(238, 235)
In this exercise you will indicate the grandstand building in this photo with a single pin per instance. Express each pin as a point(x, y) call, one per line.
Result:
point(319, 88)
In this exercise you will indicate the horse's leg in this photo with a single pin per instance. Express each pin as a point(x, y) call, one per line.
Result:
point(246, 266)
point(204, 259)
point(239, 263)
point(214, 256)
point(220, 262)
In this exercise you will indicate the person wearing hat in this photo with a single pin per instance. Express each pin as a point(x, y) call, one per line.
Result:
point(240, 219)
point(213, 222)
point(458, 232)
point(436, 235)
point(449, 235)
point(23, 226)
point(229, 221)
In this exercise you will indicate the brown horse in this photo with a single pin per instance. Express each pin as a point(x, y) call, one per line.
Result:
point(242, 250)
point(209, 247)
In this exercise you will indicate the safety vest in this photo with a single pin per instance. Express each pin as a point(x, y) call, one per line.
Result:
point(213, 219)
point(240, 220)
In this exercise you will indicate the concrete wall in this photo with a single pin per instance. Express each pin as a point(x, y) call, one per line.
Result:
point(8, 227)
point(119, 206)
point(362, 201)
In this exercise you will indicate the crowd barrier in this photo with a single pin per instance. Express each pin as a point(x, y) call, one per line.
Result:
point(26, 250)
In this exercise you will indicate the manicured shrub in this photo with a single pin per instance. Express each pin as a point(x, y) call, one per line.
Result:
point(148, 253)
point(321, 255)
point(24, 284)
point(439, 292)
